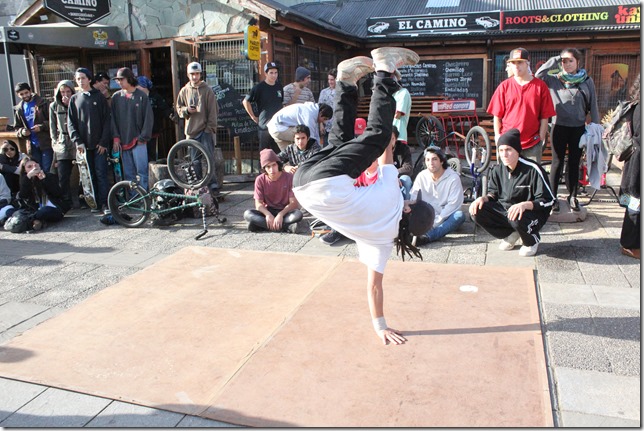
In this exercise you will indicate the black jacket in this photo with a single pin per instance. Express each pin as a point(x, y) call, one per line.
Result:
point(88, 120)
point(402, 159)
point(51, 189)
point(528, 182)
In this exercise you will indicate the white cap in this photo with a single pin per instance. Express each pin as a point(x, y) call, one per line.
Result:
point(194, 67)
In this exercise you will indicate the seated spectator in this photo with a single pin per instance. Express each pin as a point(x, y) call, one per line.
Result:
point(10, 158)
point(518, 201)
point(6, 209)
point(282, 126)
point(40, 192)
point(441, 187)
point(402, 162)
point(276, 208)
point(300, 150)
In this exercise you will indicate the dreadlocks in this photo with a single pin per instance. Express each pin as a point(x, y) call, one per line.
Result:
point(404, 242)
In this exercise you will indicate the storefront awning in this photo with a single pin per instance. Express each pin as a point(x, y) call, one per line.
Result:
point(63, 34)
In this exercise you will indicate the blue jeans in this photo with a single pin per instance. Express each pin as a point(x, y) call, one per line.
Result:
point(208, 141)
point(135, 162)
point(406, 183)
point(44, 158)
point(448, 225)
point(98, 170)
point(49, 214)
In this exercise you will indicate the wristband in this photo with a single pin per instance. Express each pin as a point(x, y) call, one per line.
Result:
point(379, 324)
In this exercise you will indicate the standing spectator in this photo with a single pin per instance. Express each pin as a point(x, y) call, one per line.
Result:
point(267, 97)
point(441, 187)
point(403, 109)
point(573, 93)
point(299, 91)
point(31, 120)
point(88, 123)
point(160, 110)
point(102, 84)
point(132, 126)
point(522, 102)
point(282, 125)
point(518, 201)
point(10, 157)
point(402, 162)
point(40, 190)
point(327, 96)
point(300, 150)
point(276, 208)
point(630, 184)
point(197, 104)
point(64, 148)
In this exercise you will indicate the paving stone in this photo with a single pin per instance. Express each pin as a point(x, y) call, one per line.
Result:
point(15, 394)
point(197, 422)
point(583, 420)
point(14, 313)
point(120, 415)
point(599, 394)
point(57, 408)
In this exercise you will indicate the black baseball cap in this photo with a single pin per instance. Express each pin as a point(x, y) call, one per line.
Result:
point(270, 65)
point(519, 54)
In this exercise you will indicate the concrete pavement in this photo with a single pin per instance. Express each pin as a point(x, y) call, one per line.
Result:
point(589, 302)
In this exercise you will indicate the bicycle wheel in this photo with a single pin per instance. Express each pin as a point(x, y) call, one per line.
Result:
point(190, 164)
point(477, 148)
point(128, 204)
point(429, 130)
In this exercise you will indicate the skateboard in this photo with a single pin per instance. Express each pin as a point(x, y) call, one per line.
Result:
point(117, 165)
point(86, 179)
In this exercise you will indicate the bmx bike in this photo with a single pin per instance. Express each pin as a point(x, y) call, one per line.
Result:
point(190, 166)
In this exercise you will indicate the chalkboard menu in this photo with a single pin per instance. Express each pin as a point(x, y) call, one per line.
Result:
point(454, 79)
point(232, 114)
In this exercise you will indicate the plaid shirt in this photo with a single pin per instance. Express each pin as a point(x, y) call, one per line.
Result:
point(294, 156)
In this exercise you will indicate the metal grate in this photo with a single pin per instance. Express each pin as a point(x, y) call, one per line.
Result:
point(110, 62)
point(53, 70)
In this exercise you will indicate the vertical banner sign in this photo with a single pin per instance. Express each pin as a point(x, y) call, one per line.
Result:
point(252, 43)
point(79, 12)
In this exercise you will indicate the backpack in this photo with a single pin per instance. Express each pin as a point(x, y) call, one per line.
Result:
point(211, 206)
point(20, 221)
point(618, 133)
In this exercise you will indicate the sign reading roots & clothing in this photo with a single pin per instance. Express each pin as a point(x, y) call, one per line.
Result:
point(79, 12)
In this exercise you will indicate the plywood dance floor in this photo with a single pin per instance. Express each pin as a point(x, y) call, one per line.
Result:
point(276, 339)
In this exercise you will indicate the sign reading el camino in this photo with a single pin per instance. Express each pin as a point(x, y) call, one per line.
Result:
point(79, 12)
point(428, 24)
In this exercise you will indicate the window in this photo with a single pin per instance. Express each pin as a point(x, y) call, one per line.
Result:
point(53, 70)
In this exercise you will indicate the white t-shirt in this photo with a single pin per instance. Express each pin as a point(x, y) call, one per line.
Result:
point(293, 115)
point(368, 215)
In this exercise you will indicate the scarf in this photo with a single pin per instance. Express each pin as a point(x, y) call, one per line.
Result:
point(571, 80)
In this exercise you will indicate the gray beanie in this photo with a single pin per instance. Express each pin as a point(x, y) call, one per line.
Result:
point(301, 73)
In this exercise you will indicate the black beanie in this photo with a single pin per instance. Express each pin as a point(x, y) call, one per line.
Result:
point(511, 138)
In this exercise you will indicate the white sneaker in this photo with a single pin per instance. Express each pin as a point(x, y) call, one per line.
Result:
point(353, 69)
point(509, 242)
point(528, 251)
point(390, 58)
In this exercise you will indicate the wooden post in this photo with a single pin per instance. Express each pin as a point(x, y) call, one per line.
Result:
point(237, 146)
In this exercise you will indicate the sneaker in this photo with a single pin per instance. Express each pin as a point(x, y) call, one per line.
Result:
point(422, 240)
point(574, 203)
point(95, 210)
point(528, 250)
point(509, 242)
point(292, 228)
point(252, 227)
point(353, 69)
point(631, 252)
point(331, 238)
point(390, 58)
point(37, 225)
point(555, 208)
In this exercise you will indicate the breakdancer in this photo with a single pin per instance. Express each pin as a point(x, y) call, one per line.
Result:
point(374, 216)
